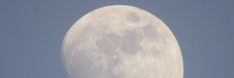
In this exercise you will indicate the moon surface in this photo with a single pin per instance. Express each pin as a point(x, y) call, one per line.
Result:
point(121, 41)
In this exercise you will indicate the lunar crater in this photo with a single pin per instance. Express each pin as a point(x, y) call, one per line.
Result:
point(133, 17)
point(130, 44)
point(108, 43)
point(151, 32)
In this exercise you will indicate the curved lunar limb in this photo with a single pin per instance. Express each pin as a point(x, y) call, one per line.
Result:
point(121, 41)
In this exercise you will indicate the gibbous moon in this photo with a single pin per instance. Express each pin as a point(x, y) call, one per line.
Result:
point(121, 41)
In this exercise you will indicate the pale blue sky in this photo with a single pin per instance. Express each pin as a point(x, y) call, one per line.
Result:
point(31, 34)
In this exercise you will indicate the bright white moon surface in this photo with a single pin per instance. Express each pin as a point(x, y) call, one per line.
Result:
point(121, 41)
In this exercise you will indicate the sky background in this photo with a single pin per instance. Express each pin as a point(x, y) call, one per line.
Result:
point(32, 31)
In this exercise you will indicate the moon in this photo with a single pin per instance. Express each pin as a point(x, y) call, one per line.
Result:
point(121, 41)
